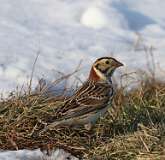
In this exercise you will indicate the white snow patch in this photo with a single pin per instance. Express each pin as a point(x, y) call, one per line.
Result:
point(94, 18)
point(58, 154)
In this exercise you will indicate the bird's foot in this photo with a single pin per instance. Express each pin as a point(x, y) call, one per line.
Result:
point(88, 126)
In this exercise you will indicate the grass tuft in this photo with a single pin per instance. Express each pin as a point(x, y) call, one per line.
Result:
point(134, 127)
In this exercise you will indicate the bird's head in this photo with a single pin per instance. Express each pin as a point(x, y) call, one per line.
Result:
point(103, 68)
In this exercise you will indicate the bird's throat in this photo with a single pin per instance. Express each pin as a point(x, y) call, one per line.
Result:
point(96, 75)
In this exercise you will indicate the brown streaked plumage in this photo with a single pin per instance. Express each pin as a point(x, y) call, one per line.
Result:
point(92, 99)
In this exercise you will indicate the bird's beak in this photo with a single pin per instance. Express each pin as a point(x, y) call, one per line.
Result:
point(118, 64)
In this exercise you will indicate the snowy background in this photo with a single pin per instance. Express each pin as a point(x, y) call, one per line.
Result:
point(64, 32)
point(67, 31)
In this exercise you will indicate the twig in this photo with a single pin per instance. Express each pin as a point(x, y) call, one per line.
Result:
point(146, 147)
point(46, 87)
point(32, 73)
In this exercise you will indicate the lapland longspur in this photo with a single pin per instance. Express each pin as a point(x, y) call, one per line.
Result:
point(92, 99)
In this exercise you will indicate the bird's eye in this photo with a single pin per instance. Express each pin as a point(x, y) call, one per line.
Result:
point(107, 62)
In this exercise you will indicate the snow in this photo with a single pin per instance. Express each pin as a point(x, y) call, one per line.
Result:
point(58, 154)
point(94, 18)
point(64, 32)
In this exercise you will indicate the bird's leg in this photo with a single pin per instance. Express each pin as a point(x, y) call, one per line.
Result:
point(88, 126)
point(45, 127)
point(43, 130)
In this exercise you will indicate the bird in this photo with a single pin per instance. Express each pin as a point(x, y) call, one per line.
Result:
point(92, 100)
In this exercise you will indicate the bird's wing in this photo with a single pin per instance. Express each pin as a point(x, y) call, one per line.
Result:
point(91, 97)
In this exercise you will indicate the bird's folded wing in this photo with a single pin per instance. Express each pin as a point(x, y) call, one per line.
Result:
point(89, 98)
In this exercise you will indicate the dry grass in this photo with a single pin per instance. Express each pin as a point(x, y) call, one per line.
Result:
point(134, 128)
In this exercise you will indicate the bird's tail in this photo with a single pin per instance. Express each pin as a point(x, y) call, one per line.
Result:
point(52, 125)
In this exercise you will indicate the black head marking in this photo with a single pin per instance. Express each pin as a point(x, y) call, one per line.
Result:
point(97, 66)
point(104, 58)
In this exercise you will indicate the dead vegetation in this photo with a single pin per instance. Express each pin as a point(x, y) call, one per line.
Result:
point(134, 128)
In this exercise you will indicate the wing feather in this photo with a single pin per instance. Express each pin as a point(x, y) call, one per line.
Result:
point(90, 97)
